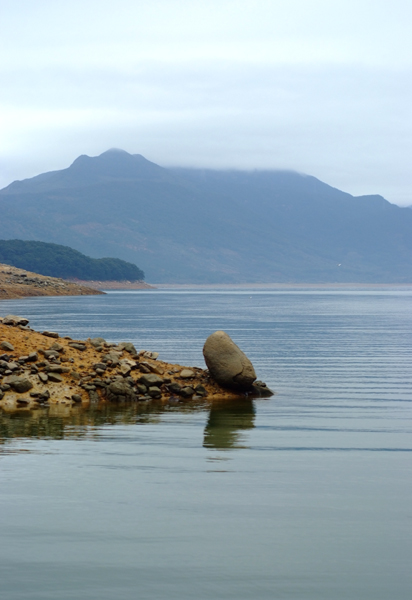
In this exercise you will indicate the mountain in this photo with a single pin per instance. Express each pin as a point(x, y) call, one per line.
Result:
point(55, 260)
point(205, 226)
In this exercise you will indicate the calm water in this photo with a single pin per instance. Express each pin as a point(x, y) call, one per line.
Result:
point(307, 495)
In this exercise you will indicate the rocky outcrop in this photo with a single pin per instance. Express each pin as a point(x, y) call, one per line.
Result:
point(226, 362)
point(40, 369)
point(18, 283)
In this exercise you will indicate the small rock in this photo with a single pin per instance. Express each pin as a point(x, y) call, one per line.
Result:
point(200, 390)
point(76, 398)
point(113, 356)
point(55, 369)
point(51, 334)
point(128, 346)
point(77, 346)
point(19, 384)
point(261, 389)
point(57, 347)
point(7, 346)
point(174, 388)
point(97, 341)
point(119, 387)
point(55, 377)
point(187, 392)
point(50, 354)
point(150, 379)
point(14, 320)
point(187, 374)
point(154, 392)
point(13, 366)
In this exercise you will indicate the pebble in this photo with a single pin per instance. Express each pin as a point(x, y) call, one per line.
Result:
point(6, 346)
point(187, 374)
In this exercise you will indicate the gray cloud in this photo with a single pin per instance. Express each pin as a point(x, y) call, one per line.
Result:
point(322, 90)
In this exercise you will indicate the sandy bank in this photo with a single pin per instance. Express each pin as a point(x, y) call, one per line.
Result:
point(18, 283)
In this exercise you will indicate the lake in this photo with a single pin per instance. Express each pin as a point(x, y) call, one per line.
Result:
point(305, 495)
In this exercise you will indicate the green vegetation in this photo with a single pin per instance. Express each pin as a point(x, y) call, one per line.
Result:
point(55, 260)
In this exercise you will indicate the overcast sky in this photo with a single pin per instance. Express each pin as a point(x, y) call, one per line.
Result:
point(319, 86)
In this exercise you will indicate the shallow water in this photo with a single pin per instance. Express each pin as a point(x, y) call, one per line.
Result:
point(305, 495)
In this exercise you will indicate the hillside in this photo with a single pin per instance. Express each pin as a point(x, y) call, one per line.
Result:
point(19, 283)
point(61, 261)
point(203, 226)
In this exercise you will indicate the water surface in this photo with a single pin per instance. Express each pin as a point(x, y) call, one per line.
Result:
point(305, 495)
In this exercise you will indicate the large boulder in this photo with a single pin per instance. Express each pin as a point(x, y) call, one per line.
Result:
point(226, 362)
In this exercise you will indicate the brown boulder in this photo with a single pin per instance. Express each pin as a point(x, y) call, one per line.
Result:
point(226, 362)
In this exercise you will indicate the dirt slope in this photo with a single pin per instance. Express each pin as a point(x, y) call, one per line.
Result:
point(18, 283)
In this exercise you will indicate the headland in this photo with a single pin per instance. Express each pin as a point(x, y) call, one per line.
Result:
point(18, 283)
point(38, 369)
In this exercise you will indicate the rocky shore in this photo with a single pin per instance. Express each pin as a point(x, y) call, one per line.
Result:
point(38, 369)
point(18, 283)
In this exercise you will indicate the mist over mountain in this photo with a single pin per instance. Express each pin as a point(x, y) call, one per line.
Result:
point(205, 226)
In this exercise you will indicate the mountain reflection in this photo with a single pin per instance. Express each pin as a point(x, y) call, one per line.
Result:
point(225, 422)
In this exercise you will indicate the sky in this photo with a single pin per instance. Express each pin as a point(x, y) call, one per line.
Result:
point(323, 87)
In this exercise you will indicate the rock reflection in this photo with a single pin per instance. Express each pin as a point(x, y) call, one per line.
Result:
point(226, 423)
point(60, 422)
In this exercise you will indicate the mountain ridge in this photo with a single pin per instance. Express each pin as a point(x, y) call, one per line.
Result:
point(206, 226)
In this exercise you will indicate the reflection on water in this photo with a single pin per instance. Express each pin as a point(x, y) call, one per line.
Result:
point(223, 430)
point(226, 422)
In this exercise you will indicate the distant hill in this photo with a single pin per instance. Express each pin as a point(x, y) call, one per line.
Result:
point(55, 260)
point(205, 226)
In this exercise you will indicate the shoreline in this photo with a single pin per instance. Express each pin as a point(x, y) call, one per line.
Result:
point(278, 286)
point(18, 283)
point(40, 369)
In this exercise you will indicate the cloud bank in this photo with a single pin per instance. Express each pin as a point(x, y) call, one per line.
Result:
point(320, 87)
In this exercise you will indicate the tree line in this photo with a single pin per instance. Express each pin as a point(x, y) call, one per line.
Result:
point(55, 260)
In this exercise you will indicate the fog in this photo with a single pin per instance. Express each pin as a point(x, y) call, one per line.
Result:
point(317, 86)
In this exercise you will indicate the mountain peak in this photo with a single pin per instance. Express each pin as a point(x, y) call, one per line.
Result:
point(110, 166)
point(115, 164)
